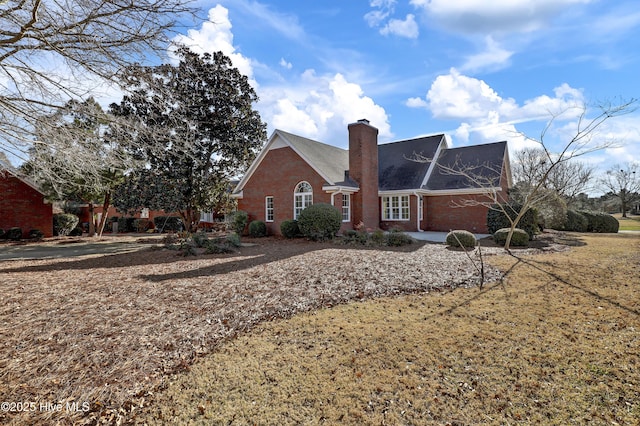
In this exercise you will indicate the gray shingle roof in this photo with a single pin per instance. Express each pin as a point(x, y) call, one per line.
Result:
point(483, 162)
point(330, 160)
point(397, 168)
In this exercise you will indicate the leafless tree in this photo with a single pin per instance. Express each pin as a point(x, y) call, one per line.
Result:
point(624, 183)
point(55, 50)
point(585, 138)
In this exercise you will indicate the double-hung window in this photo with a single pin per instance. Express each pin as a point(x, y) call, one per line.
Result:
point(302, 198)
point(395, 207)
point(268, 209)
point(346, 207)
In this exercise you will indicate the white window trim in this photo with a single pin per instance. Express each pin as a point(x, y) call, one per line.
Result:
point(348, 207)
point(268, 209)
point(305, 202)
point(420, 207)
point(387, 200)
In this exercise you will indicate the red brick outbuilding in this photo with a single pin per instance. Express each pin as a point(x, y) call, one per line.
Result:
point(23, 205)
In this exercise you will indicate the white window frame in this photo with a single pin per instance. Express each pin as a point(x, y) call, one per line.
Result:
point(346, 207)
point(420, 207)
point(302, 198)
point(396, 208)
point(268, 208)
point(144, 213)
point(206, 217)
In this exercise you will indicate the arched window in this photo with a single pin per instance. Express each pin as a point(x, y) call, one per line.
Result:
point(302, 198)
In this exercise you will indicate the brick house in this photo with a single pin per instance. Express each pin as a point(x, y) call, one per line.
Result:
point(23, 205)
point(380, 186)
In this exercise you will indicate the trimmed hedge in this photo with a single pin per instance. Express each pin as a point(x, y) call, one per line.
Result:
point(600, 222)
point(257, 229)
point(461, 238)
point(64, 223)
point(520, 237)
point(320, 221)
point(168, 223)
point(36, 234)
point(576, 222)
point(127, 224)
point(14, 234)
point(496, 219)
point(290, 228)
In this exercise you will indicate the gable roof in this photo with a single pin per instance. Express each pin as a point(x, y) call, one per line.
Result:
point(483, 165)
point(328, 161)
point(8, 168)
point(398, 167)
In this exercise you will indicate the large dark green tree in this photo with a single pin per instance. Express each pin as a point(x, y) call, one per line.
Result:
point(82, 160)
point(196, 129)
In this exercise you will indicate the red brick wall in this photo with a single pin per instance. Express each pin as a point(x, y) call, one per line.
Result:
point(24, 207)
point(442, 214)
point(277, 176)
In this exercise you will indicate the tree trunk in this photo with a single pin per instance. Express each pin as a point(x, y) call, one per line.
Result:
point(105, 210)
point(92, 226)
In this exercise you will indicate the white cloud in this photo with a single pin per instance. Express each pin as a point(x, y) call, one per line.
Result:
point(215, 35)
point(321, 107)
point(486, 116)
point(285, 64)
point(385, 9)
point(313, 106)
point(480, 16)
point(416, 103)
point(407, 28)
point(493, 57)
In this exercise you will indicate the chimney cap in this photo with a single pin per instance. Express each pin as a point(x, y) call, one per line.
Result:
point(363, 121)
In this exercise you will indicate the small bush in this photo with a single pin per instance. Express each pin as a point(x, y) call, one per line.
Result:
point(2, 234)
point(576, 222)
point(13, 234)
point(126, 224)
point(397, 239)
point(233, 240)
point(76, 232)
point(141, 225)
point(320, 221)
point(36, 234)
point(520, 237)
point(378, 237)
point(461, 238)
point(290, 228)
point(257, 229)
point(168, 223)
point(238, 221)
point(600, 222)
point(496, 218)
point(64, 223)
point(200, 239)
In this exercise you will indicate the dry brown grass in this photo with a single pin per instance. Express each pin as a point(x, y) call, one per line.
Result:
point(110, 331)
point(556, 342)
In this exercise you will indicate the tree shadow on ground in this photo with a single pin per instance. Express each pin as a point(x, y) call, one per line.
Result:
point(254, 252)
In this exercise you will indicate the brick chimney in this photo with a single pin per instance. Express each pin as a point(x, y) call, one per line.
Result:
point(363, 168)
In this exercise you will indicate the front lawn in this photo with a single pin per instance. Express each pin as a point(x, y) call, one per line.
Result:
point(556, 342)
point(630, 223)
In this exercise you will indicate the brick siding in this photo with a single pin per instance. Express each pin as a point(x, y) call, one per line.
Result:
point(24, 207)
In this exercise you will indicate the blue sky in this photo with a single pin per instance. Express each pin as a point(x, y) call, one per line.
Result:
point(478, 71)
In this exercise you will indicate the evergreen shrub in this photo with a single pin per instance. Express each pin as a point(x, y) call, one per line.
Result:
point(461, 238)
point(520, 237)
point(64, 223)
point(600, 222)
point(289, 228)
point(496, 218)
point(320, 221)
point(257, 229)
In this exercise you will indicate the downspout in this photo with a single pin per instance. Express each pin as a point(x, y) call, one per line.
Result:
point(418, 211)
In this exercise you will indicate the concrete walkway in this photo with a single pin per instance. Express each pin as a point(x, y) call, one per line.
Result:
point(438, 237)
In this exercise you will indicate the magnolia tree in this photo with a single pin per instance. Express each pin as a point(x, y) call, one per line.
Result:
point(195, 129)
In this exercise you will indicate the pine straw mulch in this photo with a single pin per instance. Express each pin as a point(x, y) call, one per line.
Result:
point(88, 340)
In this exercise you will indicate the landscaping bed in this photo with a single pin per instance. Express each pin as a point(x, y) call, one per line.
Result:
point(97, 336)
